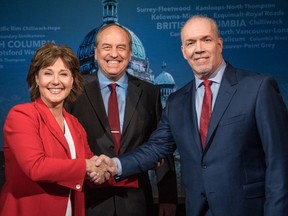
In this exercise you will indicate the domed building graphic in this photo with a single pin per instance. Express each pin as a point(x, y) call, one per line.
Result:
point(139, 64)
point(139, 67)
point(166, 83)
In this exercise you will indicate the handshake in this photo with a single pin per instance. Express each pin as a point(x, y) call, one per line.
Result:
point(101, 168)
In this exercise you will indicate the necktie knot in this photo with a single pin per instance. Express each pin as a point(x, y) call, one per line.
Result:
point(207, 83)
point(112, 87)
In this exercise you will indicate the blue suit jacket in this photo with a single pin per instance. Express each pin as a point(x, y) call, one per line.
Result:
point(243, 170)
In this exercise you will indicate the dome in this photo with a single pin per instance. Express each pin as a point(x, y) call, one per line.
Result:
point(85, 51)
point(138, 50)
point(166, 83)
point(164, 78)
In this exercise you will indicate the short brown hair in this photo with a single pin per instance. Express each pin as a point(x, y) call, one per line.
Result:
point(46, 56)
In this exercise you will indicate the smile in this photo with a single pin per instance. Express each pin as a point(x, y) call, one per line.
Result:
point(55, 90)
point(113, 62)
point(201, 58)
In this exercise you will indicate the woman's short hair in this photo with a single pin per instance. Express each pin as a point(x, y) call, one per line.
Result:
point(46, 56)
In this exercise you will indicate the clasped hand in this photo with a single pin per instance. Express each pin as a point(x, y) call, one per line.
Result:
point(100, 168)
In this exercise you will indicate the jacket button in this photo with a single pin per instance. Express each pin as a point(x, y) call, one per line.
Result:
point(78, 186)
point(203, 195)
point(204, 166)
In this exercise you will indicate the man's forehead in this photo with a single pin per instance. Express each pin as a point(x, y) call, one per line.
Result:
point(197, 30)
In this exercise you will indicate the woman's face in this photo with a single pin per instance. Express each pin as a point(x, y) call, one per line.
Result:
point(55, 83)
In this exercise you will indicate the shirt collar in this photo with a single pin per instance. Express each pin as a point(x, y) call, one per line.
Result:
point(216, 76)
point(104, 81)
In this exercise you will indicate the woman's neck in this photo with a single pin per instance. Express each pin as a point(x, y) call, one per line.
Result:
point(57, 112)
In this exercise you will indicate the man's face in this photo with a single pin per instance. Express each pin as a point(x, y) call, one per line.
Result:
point(201, 47)
point(113, 52)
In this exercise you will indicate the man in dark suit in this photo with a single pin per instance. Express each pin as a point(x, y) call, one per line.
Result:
point(241, 169)
point(139, 112)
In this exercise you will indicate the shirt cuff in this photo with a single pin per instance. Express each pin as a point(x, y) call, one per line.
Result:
point(119, 167)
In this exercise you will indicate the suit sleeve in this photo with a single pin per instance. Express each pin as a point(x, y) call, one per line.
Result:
point(160, 145)
point(272, 122)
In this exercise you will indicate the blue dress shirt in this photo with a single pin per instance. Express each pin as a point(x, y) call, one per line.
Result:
point(216, 78)
point(122, 86)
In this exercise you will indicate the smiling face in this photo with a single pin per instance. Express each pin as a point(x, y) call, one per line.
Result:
point(113, 52)
point(201, 46)
point(54, 83)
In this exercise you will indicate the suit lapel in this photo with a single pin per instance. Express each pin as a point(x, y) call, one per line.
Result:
point(194, 126)
point(94, 95)
point(75, 136)
point(52, 124)
point(133, 96)
point(227, 89)
point(185, 114)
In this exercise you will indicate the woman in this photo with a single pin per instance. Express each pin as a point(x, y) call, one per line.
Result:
point(45, 147)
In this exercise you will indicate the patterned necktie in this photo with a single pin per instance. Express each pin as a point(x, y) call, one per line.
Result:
point(206, 111)
point(113, 117)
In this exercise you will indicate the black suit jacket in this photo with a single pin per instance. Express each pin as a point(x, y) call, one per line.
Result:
point(142, 112)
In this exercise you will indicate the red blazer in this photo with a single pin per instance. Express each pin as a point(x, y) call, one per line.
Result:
point(38, 166)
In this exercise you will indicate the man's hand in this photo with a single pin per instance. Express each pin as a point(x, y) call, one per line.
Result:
point(160, 163)
point(107, 164)
point(99, 173)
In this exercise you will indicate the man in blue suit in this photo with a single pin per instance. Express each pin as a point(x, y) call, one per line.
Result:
point(242, 170)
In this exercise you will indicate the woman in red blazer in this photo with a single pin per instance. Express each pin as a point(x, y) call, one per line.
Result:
point(45, 148)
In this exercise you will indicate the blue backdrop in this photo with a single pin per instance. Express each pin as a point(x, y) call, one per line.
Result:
point(255, 36)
